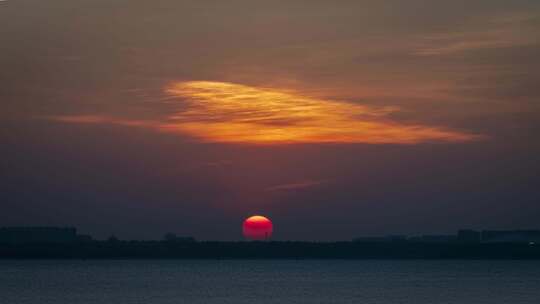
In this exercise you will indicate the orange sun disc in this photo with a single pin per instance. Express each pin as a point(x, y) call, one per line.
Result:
point(257, 227)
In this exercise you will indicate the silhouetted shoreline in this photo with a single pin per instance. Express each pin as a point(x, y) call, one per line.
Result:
point(115, 249)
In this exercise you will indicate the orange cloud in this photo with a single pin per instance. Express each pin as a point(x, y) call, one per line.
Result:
point(227, 112)
point(234, 113)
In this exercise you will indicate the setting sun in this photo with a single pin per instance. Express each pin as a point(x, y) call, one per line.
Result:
point(257, 227)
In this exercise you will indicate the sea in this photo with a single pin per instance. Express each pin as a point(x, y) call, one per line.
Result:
point(269, 281)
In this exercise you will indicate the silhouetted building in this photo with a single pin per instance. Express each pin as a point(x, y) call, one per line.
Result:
point(113, 239)
point(414, 239)
point(469, 236)
point(371, 239)
point(84, 238)
point(38, 235)
point(173, 238)
point(397, 238)
point(381, 239)
point(511, 236)
point(442, 238)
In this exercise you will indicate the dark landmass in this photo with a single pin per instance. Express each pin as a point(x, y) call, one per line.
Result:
point(115, 249)
point(66, 243)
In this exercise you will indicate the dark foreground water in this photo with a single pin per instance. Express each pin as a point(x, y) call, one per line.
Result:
point(180, 281)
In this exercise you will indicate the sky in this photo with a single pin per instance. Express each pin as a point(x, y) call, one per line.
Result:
point(335, 120)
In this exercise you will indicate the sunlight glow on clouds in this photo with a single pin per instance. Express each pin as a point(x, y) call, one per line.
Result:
point(226, 112)
point(233, 113)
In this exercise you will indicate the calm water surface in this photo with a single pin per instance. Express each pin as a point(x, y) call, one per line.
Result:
point(177, 281)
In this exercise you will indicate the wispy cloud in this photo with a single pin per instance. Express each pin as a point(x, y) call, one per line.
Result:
point(296, 185)
point(497, 32)
point(234, 113)
point(103, 119)
point(217, 164)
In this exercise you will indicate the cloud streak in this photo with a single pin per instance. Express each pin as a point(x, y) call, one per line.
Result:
point(234, 113)
point(505, 31)
point(296, 186)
